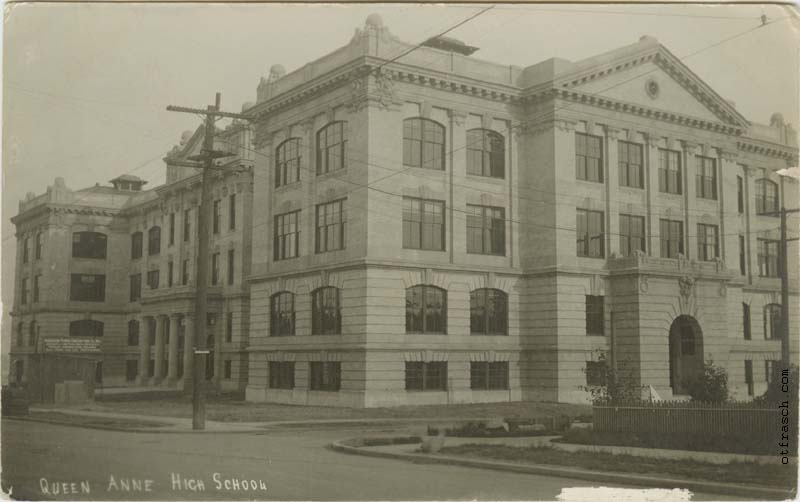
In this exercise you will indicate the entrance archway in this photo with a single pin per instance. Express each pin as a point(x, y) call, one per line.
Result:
point(685, 352)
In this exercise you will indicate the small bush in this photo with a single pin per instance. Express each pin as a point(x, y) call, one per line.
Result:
point(711, 386)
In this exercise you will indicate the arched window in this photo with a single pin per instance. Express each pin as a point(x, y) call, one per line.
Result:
point(486, 153)
point(767, 197)
point(426, 310)
point(488, 312)
point(282, 314)
point(19, 371)
point(86, 327)
point(154, 240)
point(133, 333)
point(326, 316)
point(89, 245)
point(332, 147)
point(287, 162)
point(772, 322)
point(32, 333)
point(423, 144)
point(136, 245)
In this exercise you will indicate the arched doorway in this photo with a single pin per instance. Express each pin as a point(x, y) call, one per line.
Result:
point(685, 352)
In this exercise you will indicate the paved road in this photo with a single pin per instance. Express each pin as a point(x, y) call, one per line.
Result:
point(291, 465)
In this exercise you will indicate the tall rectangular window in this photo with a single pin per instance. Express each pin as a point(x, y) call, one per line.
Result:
point(748, 376)
point(707, 242)
point(595, 315)
point(588, 157)
point(742, 256)
point(215, 217)
point(232, 212)
point(330, 226)
point(630, 165)
point(187, 224)
point(740, 194)
point(325, 376)
point(36, 280)
point(23, 297)
point(153, 279)
point(228, 371)
point(171, 229)
point(486, 230)
point(154, 241)
point(671, 237)
point(768, 258)
point(87, 287)
point(423, 224)
point(39, 245)
point(170, 271)
point(185, 272)
point(670, 179)
point(214, 269)
point(706, 177)
point(590, 233)
point(286, 242)
point(631, 234)
point(426, 376)
point(231, 265)
point(131, 370)
point(229, 327)
point(136, 287)
point(484, 375)
point(746, 321)
point(25, 252)
point(281, 375)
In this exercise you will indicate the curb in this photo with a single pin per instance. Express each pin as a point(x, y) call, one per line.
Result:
point(567, 472)
point(153, 430)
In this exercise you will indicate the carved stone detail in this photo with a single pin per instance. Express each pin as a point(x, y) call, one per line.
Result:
point(686, 284)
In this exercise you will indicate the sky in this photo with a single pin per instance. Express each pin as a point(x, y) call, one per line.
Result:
point(85, 86)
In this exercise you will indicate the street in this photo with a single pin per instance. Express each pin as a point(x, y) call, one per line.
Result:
point(53, 462)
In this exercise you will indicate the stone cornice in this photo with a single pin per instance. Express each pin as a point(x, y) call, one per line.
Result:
point(646, 112)
point(766, 148)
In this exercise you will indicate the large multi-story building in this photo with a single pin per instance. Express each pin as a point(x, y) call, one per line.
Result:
point(441, 229)
point(117, 264)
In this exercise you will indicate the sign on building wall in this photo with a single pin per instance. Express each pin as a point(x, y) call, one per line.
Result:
point(72, 345)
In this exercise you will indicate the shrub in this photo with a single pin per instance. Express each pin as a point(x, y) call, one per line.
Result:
point(710, 386)
point(775, 392)
point(618, 385)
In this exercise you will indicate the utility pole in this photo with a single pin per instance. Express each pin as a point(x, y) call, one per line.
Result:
point(784, 255)
point(204, 161)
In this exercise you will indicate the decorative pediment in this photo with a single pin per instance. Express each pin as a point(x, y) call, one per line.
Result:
point(651, 77)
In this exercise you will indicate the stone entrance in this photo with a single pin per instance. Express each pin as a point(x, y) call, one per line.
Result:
point(685, 352)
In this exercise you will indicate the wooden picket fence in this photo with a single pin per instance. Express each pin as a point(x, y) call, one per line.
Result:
point(688, 417)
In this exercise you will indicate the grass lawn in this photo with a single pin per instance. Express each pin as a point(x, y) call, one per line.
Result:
point(117, 423)
point(227, 410)
point(775, 476)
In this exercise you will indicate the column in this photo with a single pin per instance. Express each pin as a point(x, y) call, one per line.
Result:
point(158, 374)
point(690, 198)
point(188, 349)
point(611, 168)
point(144, 350)
point(172, 353)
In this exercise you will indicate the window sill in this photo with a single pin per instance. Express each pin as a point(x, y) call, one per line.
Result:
point(444, 170)
point(596, 335)
point(499, 255)
point(671, 194)
point(423, 333)
point(431, 250)
point(496, 179)
point(289, 186)
point(331, 174)
point(632, 188)
point(285, 259)
point(280, 336)
point(593, 182)
point(592, 257)
point(503, 389)
point(324, 390)
point(426, 390)
point(329, 251)
point(488, 334)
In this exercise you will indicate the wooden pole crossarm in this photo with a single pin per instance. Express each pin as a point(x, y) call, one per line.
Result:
point(212, 113)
